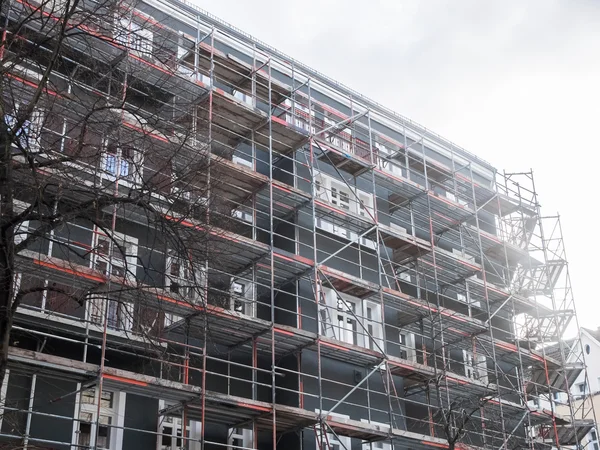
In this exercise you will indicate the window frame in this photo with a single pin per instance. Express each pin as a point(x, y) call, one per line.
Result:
point(138, 40)
point(114, 413)
point(408, 346)
point(116, 160)
point(247, 297)
point(343, 442)
point(389, 165)
point(31, 129)
point(119, 314)
point(341, 320)
point(198, 279)
point(324, 186)
point(475, 366)
point(193, 429)
point(595, 442)
point(385, 444)
point(246, 436)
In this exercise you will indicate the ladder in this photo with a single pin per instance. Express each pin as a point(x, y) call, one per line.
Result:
point(327, 328)
point(321, 436)
point(385, 381)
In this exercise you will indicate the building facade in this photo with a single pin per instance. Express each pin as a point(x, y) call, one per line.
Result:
point(586, 388)
point(251, 255)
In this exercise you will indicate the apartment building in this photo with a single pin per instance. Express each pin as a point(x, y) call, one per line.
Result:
point(252, 255)
point(586, 388)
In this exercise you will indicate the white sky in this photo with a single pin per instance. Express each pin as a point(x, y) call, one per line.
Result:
point(514, 82)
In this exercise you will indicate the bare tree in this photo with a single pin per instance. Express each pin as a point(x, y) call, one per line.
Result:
point(102, 131)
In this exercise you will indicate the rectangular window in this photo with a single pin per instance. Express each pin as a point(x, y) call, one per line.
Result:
point(242, 162)
point(336, 442)
point(27, 136)
point(372, 322)
point(242, 297)
point(184, 279)
point(244, 213)
point(377, 445)
point(407, 346)
point(170, 429)
point(86, 429)
point(364, 204)
point(388, 163)
point(346, 324)
point(122, 162)
point(239, 438)
point(342, 196)
point(135, 37)
point(242, 96)
point(116, 256)
point(351, 320)
point(405, 276)
point(475, 366)
point(593, 439)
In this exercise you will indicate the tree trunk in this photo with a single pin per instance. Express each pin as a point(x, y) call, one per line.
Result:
point(6, 244)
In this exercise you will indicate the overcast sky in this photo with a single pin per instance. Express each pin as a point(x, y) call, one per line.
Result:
point(515, 82)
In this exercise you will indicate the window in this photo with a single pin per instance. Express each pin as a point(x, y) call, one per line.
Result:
point(133, 36)
point(170, 429)
point(335, 442)
point(392, 165)
point(465, 299)
point(377, 445)
point(405, 276)
point(342, 196)
point(373, 340)
point(246, 98)
point(588, 349)
point(183, 279)
point(340, 317)
point(300, 117)
point(244, 213)
point(407, 346)
point(475, 366)
point(242, 297)
point(593, 440)
point(55, 7)
point(345, 322)
point(124, 163)
point(21, 232)
point(116, 256)
point(581, 388)
point(27, 135)
point(88, 413)
point(364, 204)
point(239, 438)
point(455, 199)
point(242, 162)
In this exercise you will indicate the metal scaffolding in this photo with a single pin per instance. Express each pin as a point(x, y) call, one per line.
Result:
point(436, 277)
